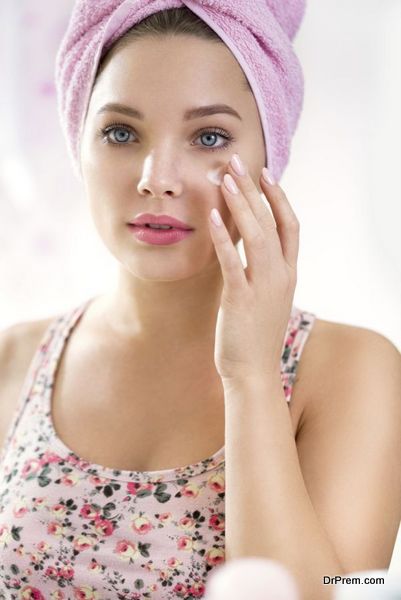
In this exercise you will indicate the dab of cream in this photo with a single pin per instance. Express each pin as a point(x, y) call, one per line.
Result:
point(215, 176)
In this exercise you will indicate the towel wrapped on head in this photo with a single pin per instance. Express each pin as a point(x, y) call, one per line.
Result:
point(259, 33)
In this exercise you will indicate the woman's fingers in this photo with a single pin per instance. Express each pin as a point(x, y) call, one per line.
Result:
point(254, 222)
point(281, 228)
point(271, 239)
point(231, 266)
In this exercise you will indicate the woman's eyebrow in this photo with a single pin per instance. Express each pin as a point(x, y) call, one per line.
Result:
point(192, 113)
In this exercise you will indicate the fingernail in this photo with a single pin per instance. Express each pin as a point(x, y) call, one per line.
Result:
point(267, 176)
point(230, 184)
point(215, 216)
point(237, 165)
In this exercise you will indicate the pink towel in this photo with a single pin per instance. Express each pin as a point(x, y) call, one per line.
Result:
point(258, 32)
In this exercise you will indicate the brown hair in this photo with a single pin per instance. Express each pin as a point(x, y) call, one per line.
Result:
point(168, 22)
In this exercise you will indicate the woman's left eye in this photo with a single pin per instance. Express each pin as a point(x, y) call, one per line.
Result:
point(212, 133)
point(118, 135)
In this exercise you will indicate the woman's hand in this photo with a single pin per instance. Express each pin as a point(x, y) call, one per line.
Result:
point(256, 301)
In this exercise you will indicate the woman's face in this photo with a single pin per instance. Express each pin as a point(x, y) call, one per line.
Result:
point(165, 163)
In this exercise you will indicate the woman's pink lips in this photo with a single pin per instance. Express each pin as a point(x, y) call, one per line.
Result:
point(152, 219)
point(159, 237)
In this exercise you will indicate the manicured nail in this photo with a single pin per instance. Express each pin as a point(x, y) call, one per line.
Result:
point(230, 184)
point(267, 176)
point(216, 218)
point(237, 165)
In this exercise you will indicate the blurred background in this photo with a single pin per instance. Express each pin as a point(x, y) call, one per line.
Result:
point(343, 179)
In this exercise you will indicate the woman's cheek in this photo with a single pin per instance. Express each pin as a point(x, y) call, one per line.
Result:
point(215, 176)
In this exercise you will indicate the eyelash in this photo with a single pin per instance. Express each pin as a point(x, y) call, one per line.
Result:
point(103, 133)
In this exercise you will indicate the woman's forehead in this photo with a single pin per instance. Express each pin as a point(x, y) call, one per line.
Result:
point(173, 62)
point(151, 83)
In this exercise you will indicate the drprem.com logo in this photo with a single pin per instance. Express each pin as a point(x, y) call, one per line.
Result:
point(352, 580)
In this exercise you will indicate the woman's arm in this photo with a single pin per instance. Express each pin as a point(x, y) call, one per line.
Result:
point(323, 509)
point(329, 502)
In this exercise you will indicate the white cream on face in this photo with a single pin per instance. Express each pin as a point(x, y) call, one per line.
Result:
point(215, 176)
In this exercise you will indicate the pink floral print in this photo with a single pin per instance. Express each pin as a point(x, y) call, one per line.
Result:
point(70, 529)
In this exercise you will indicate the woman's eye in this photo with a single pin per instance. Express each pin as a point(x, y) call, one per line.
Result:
point(116, 135)
point(209, 139)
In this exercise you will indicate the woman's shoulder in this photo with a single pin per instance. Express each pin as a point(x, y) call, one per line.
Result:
point(338, 360)
point(19, 339)
point(333, 344)
point(18, 344)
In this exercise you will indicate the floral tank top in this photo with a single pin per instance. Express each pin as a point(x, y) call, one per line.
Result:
point(70, 529)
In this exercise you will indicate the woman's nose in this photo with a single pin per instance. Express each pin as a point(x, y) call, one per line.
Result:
point(159, 178)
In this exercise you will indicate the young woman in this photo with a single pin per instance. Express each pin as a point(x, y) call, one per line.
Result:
point(171, 424)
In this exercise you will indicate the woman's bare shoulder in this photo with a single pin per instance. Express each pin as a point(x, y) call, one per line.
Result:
point(18, 343)
point(333, 344)
point(334, 359)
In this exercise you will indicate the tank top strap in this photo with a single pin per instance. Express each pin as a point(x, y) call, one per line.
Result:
point(298, 330)
point(44, 358)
